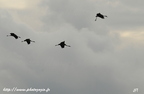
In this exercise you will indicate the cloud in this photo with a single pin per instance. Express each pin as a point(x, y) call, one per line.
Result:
point(16, 4)
point(103, 58)
point(78, 13)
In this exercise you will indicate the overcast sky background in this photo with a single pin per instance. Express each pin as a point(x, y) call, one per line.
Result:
point(105, 57)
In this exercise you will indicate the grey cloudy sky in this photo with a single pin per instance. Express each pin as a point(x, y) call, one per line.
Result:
point(105, 57)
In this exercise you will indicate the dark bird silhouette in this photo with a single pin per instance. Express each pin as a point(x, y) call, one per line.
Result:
point(28, 41)
point(62, 44)
point(14, 35)
point(100, 15)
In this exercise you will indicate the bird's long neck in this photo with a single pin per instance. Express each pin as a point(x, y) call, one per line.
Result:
point(8, 35)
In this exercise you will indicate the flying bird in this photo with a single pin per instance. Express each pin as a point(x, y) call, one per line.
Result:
point(14, 35)
point(62, 44)
point(100, 15)
point(28, 41)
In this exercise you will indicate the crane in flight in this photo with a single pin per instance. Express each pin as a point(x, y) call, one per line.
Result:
point(14, 35)
point(62, 44)
point(28, 41)
point(100, 16)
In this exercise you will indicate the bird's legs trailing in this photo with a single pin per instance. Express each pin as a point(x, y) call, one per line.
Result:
point(96, 18)
point(33, 41)
point(105, 15)
point(68, 45)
